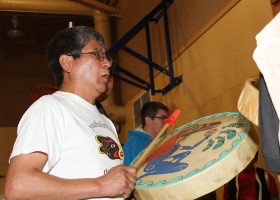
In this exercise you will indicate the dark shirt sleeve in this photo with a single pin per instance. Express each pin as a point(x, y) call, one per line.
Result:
point(269, 126)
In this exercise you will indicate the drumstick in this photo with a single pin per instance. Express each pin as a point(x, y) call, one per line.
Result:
point(169, 121)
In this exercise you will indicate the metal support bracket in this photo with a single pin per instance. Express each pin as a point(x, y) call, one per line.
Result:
point(153, 16)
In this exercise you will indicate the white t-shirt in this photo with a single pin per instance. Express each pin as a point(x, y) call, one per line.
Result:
point(79, 141)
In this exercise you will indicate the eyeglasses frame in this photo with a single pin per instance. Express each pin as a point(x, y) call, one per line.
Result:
point(97, 54)
point(162, 118)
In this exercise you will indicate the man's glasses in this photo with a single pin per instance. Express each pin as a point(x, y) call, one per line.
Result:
point(161, 118)
point(100, 55)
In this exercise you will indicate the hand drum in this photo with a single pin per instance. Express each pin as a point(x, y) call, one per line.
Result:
point(196, 158)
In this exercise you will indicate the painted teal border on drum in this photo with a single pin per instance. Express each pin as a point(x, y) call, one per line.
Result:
point(223, 154)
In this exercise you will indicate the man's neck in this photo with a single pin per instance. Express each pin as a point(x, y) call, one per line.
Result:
point(87, 95)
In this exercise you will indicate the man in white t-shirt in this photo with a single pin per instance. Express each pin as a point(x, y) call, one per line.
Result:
point(65, 148)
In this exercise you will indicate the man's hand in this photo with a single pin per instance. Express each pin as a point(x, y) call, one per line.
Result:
point(119, 180)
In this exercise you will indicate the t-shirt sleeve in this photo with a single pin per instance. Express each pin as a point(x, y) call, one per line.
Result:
point(40, 130)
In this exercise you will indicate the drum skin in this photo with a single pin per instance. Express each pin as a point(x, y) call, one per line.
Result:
point(196, 158)
point(248, 101)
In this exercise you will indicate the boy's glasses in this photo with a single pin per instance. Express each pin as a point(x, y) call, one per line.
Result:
point(161, 118)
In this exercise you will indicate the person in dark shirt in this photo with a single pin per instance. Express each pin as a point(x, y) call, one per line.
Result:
point(252, 183)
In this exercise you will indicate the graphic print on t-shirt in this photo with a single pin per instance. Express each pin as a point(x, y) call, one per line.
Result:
point(109, 147)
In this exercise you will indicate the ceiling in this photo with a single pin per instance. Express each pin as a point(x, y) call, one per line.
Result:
point(38, 28)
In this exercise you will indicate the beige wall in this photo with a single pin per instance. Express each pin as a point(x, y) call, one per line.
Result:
point(214, 68)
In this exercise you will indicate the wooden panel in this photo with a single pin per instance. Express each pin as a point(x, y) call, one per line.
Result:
point(2, 181)
point(7, 139)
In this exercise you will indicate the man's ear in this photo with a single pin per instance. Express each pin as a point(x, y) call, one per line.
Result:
point(65, 62)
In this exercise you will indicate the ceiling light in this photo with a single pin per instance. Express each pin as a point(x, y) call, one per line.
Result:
point(15, 33)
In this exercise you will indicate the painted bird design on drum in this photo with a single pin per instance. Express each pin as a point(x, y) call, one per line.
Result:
point(170, 161)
